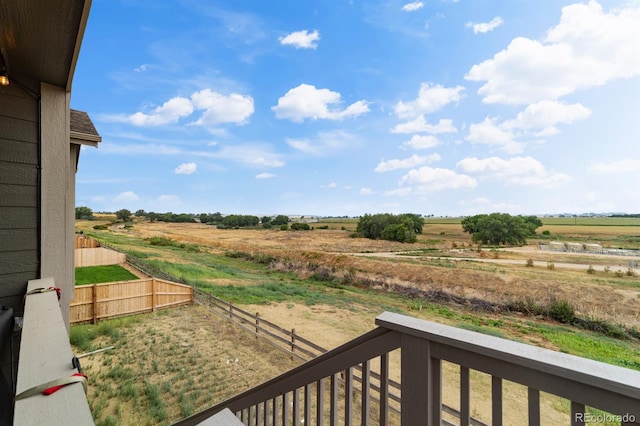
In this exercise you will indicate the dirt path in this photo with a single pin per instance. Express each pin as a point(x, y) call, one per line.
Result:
point(536, 263)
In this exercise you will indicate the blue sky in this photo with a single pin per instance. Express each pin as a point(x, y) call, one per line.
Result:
point(349, 107)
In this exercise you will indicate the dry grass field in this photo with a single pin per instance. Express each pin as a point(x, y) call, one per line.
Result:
point(173, 363)
point(443, 259)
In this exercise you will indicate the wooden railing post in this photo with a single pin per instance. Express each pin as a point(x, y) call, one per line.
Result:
point(417, 395)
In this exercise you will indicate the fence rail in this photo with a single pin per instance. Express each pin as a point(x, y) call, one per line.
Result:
point(101, 301)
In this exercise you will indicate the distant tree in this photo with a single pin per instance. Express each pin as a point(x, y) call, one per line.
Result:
point(239, 221)
point(280, 220)
point(266, 220)
point(500, 228)
point(84, 213)
point(123, 215)
point(391, 227)
point(140, 213)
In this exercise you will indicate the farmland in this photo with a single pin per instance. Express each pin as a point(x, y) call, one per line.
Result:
point(330, 286)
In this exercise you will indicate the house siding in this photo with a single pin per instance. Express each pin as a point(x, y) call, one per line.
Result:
point(19, 128)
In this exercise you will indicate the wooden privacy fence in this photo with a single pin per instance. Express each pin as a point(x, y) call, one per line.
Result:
point(100, 301)
point(98, 256)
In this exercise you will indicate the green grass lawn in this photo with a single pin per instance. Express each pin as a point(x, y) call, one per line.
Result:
point(102, 274)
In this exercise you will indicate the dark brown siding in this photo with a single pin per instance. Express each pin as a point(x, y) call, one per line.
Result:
point(18, 194)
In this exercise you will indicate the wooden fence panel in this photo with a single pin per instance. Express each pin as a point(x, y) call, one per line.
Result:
point(98, 256)
point(100, 301)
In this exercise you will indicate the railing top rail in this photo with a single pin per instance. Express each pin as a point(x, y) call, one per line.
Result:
point(609, 377)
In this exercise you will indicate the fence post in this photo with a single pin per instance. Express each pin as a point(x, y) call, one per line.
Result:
point(94, 297)
point(153, 295)
point(257, 323)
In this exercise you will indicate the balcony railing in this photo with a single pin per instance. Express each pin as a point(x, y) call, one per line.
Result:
point(45, 357)
point(323, 390)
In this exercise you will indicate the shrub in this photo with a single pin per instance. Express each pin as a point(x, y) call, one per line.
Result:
point(300, 226)
point(546, 232)
point(161, 241)
point(529, 263)
point(284, 227)
point(100, 227)
point(630, 272)
point(562, 311)
point(619, 274)
point(551, 266)
point(591, 270)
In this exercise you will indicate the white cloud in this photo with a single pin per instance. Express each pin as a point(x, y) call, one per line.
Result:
point(489, 133)
point(186, 168)
point(420, 125)
point(485, 27)
point(407, 163)
point(411, 7)
point(126, 197)
point(619, 166)
point(587, 48)
point(301, 39)
point(366, 191)
point(265, 176)
point(218, 109)
point(428, 179)
point(170, 112)
point(421, 142)
point(332, 185)
point(430, 98)
point(517, 170)
point(546, 114)
point(234, 108)
point(306, 101)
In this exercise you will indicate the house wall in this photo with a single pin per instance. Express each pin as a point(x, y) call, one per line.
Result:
point(19, 204)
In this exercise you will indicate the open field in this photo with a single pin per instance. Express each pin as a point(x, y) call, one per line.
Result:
point(313, 282)
point(611, 296)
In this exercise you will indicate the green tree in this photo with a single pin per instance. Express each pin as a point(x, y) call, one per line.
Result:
point(299, 226)
point(500, 228)
point(266, 220)
point(280, 220)
point(391, 227)
point(140, 213)
point(123, 215)
point(84, 213)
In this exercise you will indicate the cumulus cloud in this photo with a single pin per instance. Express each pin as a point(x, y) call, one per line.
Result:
point(420, 125)
point(301, 39)
point(546, 114)
point(126, 197)
point(489, 133)
point(618, 166)
point(589, 47)
point(170, 112)
point(430, 98)
point(517, 170)
point(306, 101)
point(407, 163)
point(366, 191)
point(185, 168)
point(428, 179)
point(421, 142)
point(218, 109)
point(412, 7)
point(485, 27)
point(265, 176)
